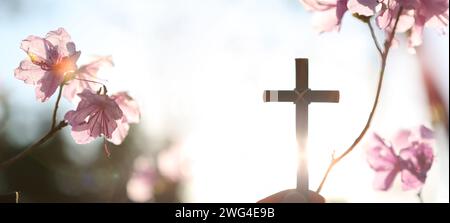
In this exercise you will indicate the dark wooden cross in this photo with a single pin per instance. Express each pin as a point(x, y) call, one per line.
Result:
point(301, 96)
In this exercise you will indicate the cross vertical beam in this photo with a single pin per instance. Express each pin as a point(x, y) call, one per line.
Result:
point(301, 121)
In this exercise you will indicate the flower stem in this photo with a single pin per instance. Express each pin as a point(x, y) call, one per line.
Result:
point(374, 37)
point(55, 110)
point(384, 56)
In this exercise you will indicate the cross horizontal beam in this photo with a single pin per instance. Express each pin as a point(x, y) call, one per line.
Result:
point(310, 96)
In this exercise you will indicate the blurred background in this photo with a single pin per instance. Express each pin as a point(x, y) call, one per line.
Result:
point(198, 70)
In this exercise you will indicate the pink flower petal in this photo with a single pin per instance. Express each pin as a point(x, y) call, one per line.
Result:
point(362, 7)
point(129, 106)
point(38, 49)
point(120, 133)
point(82, 137)
point(62, 40)
point(410, 180)
point(417, 161)
point(426, 133)
point(47, 85)
point(406, 22)
point(86, 72)
point(328, 21)
point(380, 156)
point(77, 119)
point(405, 138)
point(383, 179)
point(415, 36)
point(328, 14)
point(29, 72)
point(384, 161)
point(420, 155)
point(402, 139)
point(384, 18)
point(131, 114)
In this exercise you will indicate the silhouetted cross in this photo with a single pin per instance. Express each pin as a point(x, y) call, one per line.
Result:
point(301, 96)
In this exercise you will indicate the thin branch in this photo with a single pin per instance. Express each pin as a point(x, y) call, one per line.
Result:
point(54, 129)
point(33, 146)
point(374, 37)
point(55, 110)
point(384, 56)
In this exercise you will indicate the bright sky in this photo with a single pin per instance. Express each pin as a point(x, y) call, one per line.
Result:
point(198, 69)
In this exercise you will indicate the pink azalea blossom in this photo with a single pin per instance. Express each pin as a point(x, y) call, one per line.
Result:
point(96, 115)
point(428, 13)
point(413, 162)
point(84, 78)
point(131, 114)
point(328, 13)
point(50, 59)
point(416, 14)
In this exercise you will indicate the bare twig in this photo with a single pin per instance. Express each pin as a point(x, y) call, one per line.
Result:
point(384, 56)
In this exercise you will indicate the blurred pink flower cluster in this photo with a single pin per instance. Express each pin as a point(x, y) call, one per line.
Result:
point(413, 161)
point(52, 63)
point(415, 15)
